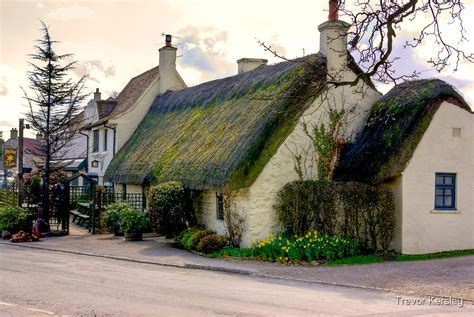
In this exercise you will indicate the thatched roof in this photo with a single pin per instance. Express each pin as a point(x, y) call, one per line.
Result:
point(394, 128)
point(218, 133)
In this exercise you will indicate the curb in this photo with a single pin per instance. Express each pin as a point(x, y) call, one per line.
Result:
point(191, 266)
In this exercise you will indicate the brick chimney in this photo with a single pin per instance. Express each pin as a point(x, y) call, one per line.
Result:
point(14, 134)
point(97, 94)
point(246, 64)
point(168, 74)
point(333, 42)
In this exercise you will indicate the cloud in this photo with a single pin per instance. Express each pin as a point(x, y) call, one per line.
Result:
point(3, 90)
point(204, 50)
point(95, 70)
point(71, 13)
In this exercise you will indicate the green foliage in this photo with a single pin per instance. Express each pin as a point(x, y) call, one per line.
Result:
point(166, 208)
point(431, 256)
point(184, 238)
point(113, 214)
point(133, 221)
point(308, 247)
point(196, 238)
point(351, 210)
point(328, 141)
point(211, 243)
point(34, 194)
point(7, 198)
point(14, 219)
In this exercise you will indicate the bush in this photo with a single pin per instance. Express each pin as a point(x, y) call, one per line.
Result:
point(134, 221)
point(112, 216)
point(350, 210)
point(211, 243)
point(166, 207)
point(197, 237)
point(185, 237)
point(14, 219)
point(309, 247)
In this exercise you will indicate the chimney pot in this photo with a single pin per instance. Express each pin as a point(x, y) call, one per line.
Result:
point(168, 38)
point(333, 10)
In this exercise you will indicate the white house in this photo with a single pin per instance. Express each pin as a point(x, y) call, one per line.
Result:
point(115, 120)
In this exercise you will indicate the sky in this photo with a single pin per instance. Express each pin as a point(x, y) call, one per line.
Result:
point(115, 40)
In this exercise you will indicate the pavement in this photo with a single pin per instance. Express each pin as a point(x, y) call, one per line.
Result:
point(450, 277)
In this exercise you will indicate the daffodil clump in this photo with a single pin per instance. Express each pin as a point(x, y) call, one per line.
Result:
point(312, 246)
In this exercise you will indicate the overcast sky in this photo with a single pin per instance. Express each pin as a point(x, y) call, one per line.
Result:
point(115, 40)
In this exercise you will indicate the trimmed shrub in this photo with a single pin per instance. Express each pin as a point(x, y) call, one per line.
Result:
point(350, 210)
point(166, 208)
point(211, 243)
point(112, 216)
point(14, 219)
point(197, 237)
point(134, 221)
point(185, 236)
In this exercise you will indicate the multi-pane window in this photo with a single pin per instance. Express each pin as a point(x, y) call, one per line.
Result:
point(445, 191)
point(95, 141)
point(219, 206)
point(105, 139)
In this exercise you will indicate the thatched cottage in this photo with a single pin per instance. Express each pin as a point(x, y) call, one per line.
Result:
point(418, 140)
point(238, 137)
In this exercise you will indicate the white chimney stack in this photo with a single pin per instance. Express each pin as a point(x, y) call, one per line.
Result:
point(168, 78)
point(247, 64)
point(333, 43)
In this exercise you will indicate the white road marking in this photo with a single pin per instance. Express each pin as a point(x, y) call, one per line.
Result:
point(7, 304)
point(41, 311)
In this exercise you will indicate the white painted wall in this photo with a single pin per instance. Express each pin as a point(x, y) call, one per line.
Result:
point(256, 202)
point(103, 156)
point(424, 229)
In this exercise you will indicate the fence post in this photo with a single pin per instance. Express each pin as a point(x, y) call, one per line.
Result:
point(93, 189)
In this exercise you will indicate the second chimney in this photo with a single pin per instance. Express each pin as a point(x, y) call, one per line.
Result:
point(246, 64)
point(168, 78)
point(97, 95)
point(333, 43)
point(14, 134)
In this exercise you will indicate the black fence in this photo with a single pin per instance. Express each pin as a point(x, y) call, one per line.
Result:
point(106, 196)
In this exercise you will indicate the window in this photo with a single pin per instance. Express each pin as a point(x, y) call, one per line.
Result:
point(95, 141)
point(445, 191)
point(105, 139)
point(219, 206)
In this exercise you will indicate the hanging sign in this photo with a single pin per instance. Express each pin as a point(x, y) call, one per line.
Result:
point(9, 158)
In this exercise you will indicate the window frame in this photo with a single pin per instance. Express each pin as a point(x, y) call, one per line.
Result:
point(95, 140)
point(219, 206)
point(443, 187)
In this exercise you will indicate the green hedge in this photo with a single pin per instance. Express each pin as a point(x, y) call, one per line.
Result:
point(166, 208)
point(350, 210)
point(14, 219)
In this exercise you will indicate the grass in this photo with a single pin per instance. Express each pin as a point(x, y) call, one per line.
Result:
point(375, 258)
point(354, 260)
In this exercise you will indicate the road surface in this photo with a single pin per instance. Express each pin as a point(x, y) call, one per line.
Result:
point(42, 283)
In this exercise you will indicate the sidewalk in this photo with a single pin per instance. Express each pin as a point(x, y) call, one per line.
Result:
point(453, 277)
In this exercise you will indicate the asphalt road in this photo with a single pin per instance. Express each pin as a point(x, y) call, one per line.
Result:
point(42, 283)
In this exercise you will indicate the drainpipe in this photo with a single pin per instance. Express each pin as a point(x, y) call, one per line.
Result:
point(87, 152)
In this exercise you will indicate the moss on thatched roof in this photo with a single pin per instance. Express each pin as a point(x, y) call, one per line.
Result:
point(220, 133)
point(394, 128)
